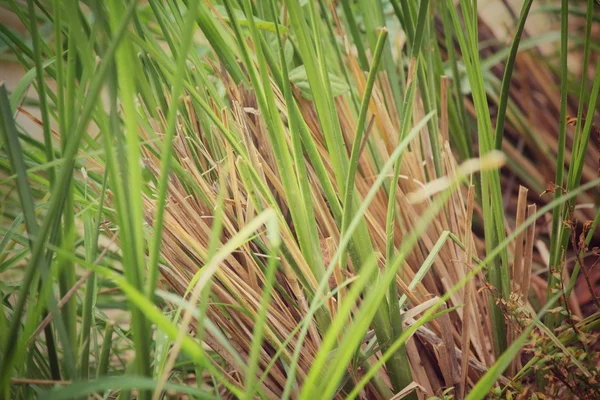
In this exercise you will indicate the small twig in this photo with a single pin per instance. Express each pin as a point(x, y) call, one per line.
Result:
point(28, 381)
point(71, 292)
point(367, 134)
point(586, 275)
point(109, 290)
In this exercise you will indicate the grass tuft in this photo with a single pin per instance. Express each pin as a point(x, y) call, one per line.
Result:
point(291, 199)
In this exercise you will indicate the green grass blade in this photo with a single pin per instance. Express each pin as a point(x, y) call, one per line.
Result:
point(167, 150)
point(508, 70)
point(359, 134)
point(556, 237)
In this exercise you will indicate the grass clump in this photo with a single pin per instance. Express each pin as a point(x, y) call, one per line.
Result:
point(296, 199)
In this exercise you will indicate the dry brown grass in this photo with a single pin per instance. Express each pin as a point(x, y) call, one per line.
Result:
point(436, 351)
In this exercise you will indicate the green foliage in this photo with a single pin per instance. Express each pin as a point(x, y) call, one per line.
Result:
point(255, 198)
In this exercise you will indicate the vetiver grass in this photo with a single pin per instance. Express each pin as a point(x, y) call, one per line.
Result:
point(297, 199)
